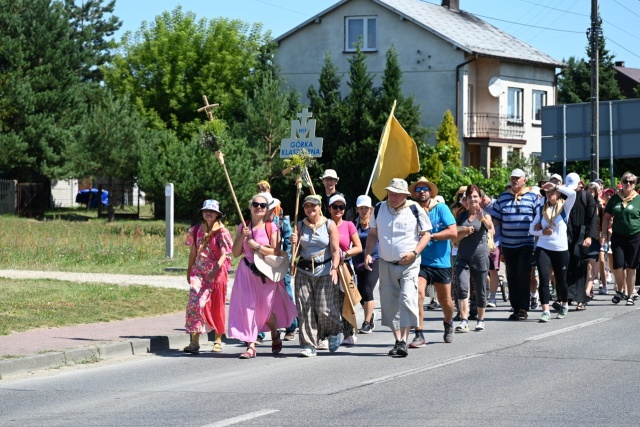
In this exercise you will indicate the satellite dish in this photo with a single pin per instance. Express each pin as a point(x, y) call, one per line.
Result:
point(496, 87)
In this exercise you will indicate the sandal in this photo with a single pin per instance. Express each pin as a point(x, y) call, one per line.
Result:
point(581, 307)
point(250, 353)
point(217, 346)
point(630, 301)
point(276, 345)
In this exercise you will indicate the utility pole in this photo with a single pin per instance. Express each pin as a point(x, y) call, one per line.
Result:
point(594, 39)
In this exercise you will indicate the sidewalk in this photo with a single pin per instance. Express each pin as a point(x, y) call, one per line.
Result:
point(40, 349)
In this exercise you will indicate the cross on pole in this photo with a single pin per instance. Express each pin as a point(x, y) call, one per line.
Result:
point(207, 107)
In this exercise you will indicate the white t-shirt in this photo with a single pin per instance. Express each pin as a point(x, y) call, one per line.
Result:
point(399, 231)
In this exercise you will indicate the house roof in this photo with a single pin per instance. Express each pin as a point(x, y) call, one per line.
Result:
point(462, 29)
point(632, 73)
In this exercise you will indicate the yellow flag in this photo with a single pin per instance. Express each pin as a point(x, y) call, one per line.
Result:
point(397, 156)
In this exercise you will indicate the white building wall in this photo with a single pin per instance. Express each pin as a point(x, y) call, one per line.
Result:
point(428, 62)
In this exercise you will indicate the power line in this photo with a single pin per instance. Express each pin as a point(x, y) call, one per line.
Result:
point(625, 7)
point(555, 8)
point(531, 26)
point(619, 45)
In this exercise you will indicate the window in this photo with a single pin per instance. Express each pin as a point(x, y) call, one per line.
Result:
point(539, 101)
point(364, 27)
point(514, 105)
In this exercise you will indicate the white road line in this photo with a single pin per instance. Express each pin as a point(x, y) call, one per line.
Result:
point(569, 329)
point(241, 418)
point(426, 368)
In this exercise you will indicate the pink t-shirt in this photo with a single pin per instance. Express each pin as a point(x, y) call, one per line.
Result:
point(346, 230)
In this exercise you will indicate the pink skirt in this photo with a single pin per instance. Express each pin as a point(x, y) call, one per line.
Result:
point(252, 303)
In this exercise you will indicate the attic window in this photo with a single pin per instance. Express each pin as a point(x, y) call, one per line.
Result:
point(357, 27)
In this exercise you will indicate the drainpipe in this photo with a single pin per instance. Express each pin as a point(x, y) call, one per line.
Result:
point(555, 86)
point(458, 85)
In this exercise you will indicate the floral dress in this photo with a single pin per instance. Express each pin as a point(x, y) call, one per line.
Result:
point(207, 299)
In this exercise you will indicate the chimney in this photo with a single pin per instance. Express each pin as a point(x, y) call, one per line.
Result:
point(451, 4)
point(619, 64)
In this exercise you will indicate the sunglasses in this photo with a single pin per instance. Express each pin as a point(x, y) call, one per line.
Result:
point(262, 205)
point(421, 189)
point(338, 207)
point(626, 181)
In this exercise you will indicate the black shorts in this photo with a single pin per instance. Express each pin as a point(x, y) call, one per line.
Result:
point(625, 250)
point(435, 274)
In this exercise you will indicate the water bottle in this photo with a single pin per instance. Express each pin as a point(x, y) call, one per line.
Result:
point(286, 218)
point(605, 247)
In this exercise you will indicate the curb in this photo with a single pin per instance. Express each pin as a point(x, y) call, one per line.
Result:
point(83, 355)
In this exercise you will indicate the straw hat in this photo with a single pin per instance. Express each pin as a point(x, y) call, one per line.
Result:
point(433, 189)
point(273, 266)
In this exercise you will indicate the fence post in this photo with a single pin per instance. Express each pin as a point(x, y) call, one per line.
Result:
point(168, 192)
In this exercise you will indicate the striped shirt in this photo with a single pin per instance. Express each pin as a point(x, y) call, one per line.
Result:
point(515, 218)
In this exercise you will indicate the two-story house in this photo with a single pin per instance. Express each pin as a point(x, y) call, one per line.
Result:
point(494, 84)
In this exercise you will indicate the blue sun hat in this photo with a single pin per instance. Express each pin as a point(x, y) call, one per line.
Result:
point(212, 205)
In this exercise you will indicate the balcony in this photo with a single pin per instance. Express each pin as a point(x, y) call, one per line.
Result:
point(487, 125)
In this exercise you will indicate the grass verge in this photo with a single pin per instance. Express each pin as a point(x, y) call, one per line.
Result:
point(30, 304)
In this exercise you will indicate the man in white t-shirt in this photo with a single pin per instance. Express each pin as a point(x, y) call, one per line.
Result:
point(402, 230)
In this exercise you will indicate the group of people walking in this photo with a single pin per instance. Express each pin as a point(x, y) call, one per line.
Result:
point(408, 246)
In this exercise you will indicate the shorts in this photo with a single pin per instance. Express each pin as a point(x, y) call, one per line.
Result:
point(594, 250)
point(625, 250)
point(494, 259)
point(435, 274)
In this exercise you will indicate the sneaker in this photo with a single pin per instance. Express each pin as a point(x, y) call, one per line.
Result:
point(602, 291)
point(480, 326)
point(462, 327)
point(394, 350)
point(308, 351)
point(334, 342)
point(523, 314)
point(289, 336)
point(562, 313)
point(323, 345)
point(534, 303)
point(546, 316)
point(418, 342)
point(365, 328)
point(402, 349)
point(630, 301)
point(448, 332)
point(373, 319)
point(350, 340)
point(556, 306)
point(492, 303)
point(433, 305)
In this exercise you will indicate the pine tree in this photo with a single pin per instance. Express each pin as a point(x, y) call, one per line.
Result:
point(574, 84)
point(90, 30)
point(42, 100)
point(327, 107)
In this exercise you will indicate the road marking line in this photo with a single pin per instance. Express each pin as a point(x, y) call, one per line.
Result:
point(427, 368)
point(241, 418)
point(569, 329)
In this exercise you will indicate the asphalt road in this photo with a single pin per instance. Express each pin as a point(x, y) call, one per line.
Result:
point(577, 371)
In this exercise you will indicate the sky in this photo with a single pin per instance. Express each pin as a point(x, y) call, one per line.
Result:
point(557, 27)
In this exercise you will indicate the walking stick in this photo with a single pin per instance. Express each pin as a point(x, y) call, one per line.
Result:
point(294, 250)
point(212, 142)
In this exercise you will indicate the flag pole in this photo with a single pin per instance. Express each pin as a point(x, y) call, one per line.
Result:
point(375, 165)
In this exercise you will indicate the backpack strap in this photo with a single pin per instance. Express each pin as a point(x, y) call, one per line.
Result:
point(414, 209)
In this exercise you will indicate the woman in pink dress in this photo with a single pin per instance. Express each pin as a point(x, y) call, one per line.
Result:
point(258, 304)
point(207, 274)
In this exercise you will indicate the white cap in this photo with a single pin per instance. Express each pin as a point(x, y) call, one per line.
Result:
point(518, 172)
point(337, 198)
point(556, 176)
point(572, 181)
point(329, 173)
point(363, 200)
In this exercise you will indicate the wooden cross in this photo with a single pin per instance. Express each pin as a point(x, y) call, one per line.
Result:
point(207, 107)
